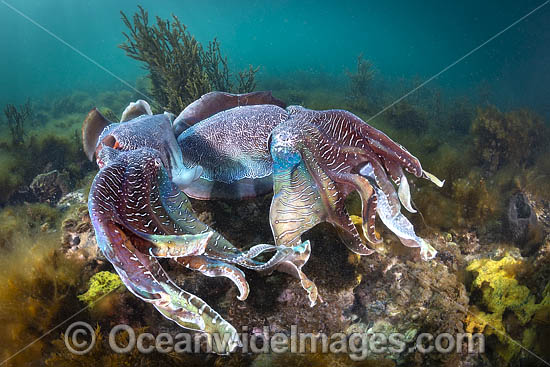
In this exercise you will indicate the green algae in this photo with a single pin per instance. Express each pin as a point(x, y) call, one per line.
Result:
point(23, 220)
point(507, 138)
point(100, 285)
point(501, 292)
point(52, 141)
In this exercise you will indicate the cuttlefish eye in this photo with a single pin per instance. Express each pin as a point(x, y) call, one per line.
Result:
point(108, 141)
point(111, 141)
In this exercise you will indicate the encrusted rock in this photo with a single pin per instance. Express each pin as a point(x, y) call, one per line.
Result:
point(78, 237)
point(50, 187)
point(406, 297)
point(72, 199)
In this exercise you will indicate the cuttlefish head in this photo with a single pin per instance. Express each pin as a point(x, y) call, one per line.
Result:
point(282, 146)
point(138, 128)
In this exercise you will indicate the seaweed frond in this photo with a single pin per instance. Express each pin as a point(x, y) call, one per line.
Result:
point(360, 80)
point(16, 121)
point(180, 68)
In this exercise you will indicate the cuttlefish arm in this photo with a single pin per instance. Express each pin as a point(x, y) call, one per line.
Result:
point(350, 146)
point(319, 157)
point(109, 203)
point(178, 208)
point(304, 196)
point(139, 215)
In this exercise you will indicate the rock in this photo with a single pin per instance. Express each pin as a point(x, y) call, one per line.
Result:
point(78, 237)
point(523, 224)
point(398, 295)
point(71, 199)
point(49, 187)
point(23, 194)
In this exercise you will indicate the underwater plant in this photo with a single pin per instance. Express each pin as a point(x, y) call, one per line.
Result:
point(37, 291)
point(507, 138)
point(103, 355)
point(180, 69)
point(405, 116)
point(16, 121)
point(359, 81)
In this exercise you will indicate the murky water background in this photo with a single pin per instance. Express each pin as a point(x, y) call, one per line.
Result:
point(403, 40)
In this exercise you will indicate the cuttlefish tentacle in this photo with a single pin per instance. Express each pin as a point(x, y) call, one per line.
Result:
point(296, 207)
point(305, 195)
point(319, 157)
point(398, 176)
point(177, 245)
point(334, 201)
point(398, 223)
point(144, 277)
point(178, 208)
point(215, 268)
point(379, 177)
point(293, 266)
point(368, 201)
point(153, 219)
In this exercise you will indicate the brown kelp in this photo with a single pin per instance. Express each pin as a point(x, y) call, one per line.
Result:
point(180, 68)
point(37, 284)
point(359, 82)
point(507, 138)
point(16, 121)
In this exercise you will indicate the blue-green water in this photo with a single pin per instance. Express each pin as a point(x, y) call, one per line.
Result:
point(403, 40)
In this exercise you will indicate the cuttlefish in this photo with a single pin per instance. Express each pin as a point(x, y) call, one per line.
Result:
point(229, 146)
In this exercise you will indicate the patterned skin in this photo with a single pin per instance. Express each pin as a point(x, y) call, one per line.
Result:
point(311, 159)
point(314, 159)
point(232, 170)
point(319, 157)
point(125, 210)
point(140, 215)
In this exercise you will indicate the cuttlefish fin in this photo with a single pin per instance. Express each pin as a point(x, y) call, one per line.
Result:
point(211, 103)
point(136, 109)
point(93, 126)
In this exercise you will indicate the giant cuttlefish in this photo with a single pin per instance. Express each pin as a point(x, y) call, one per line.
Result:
point(237, 146)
